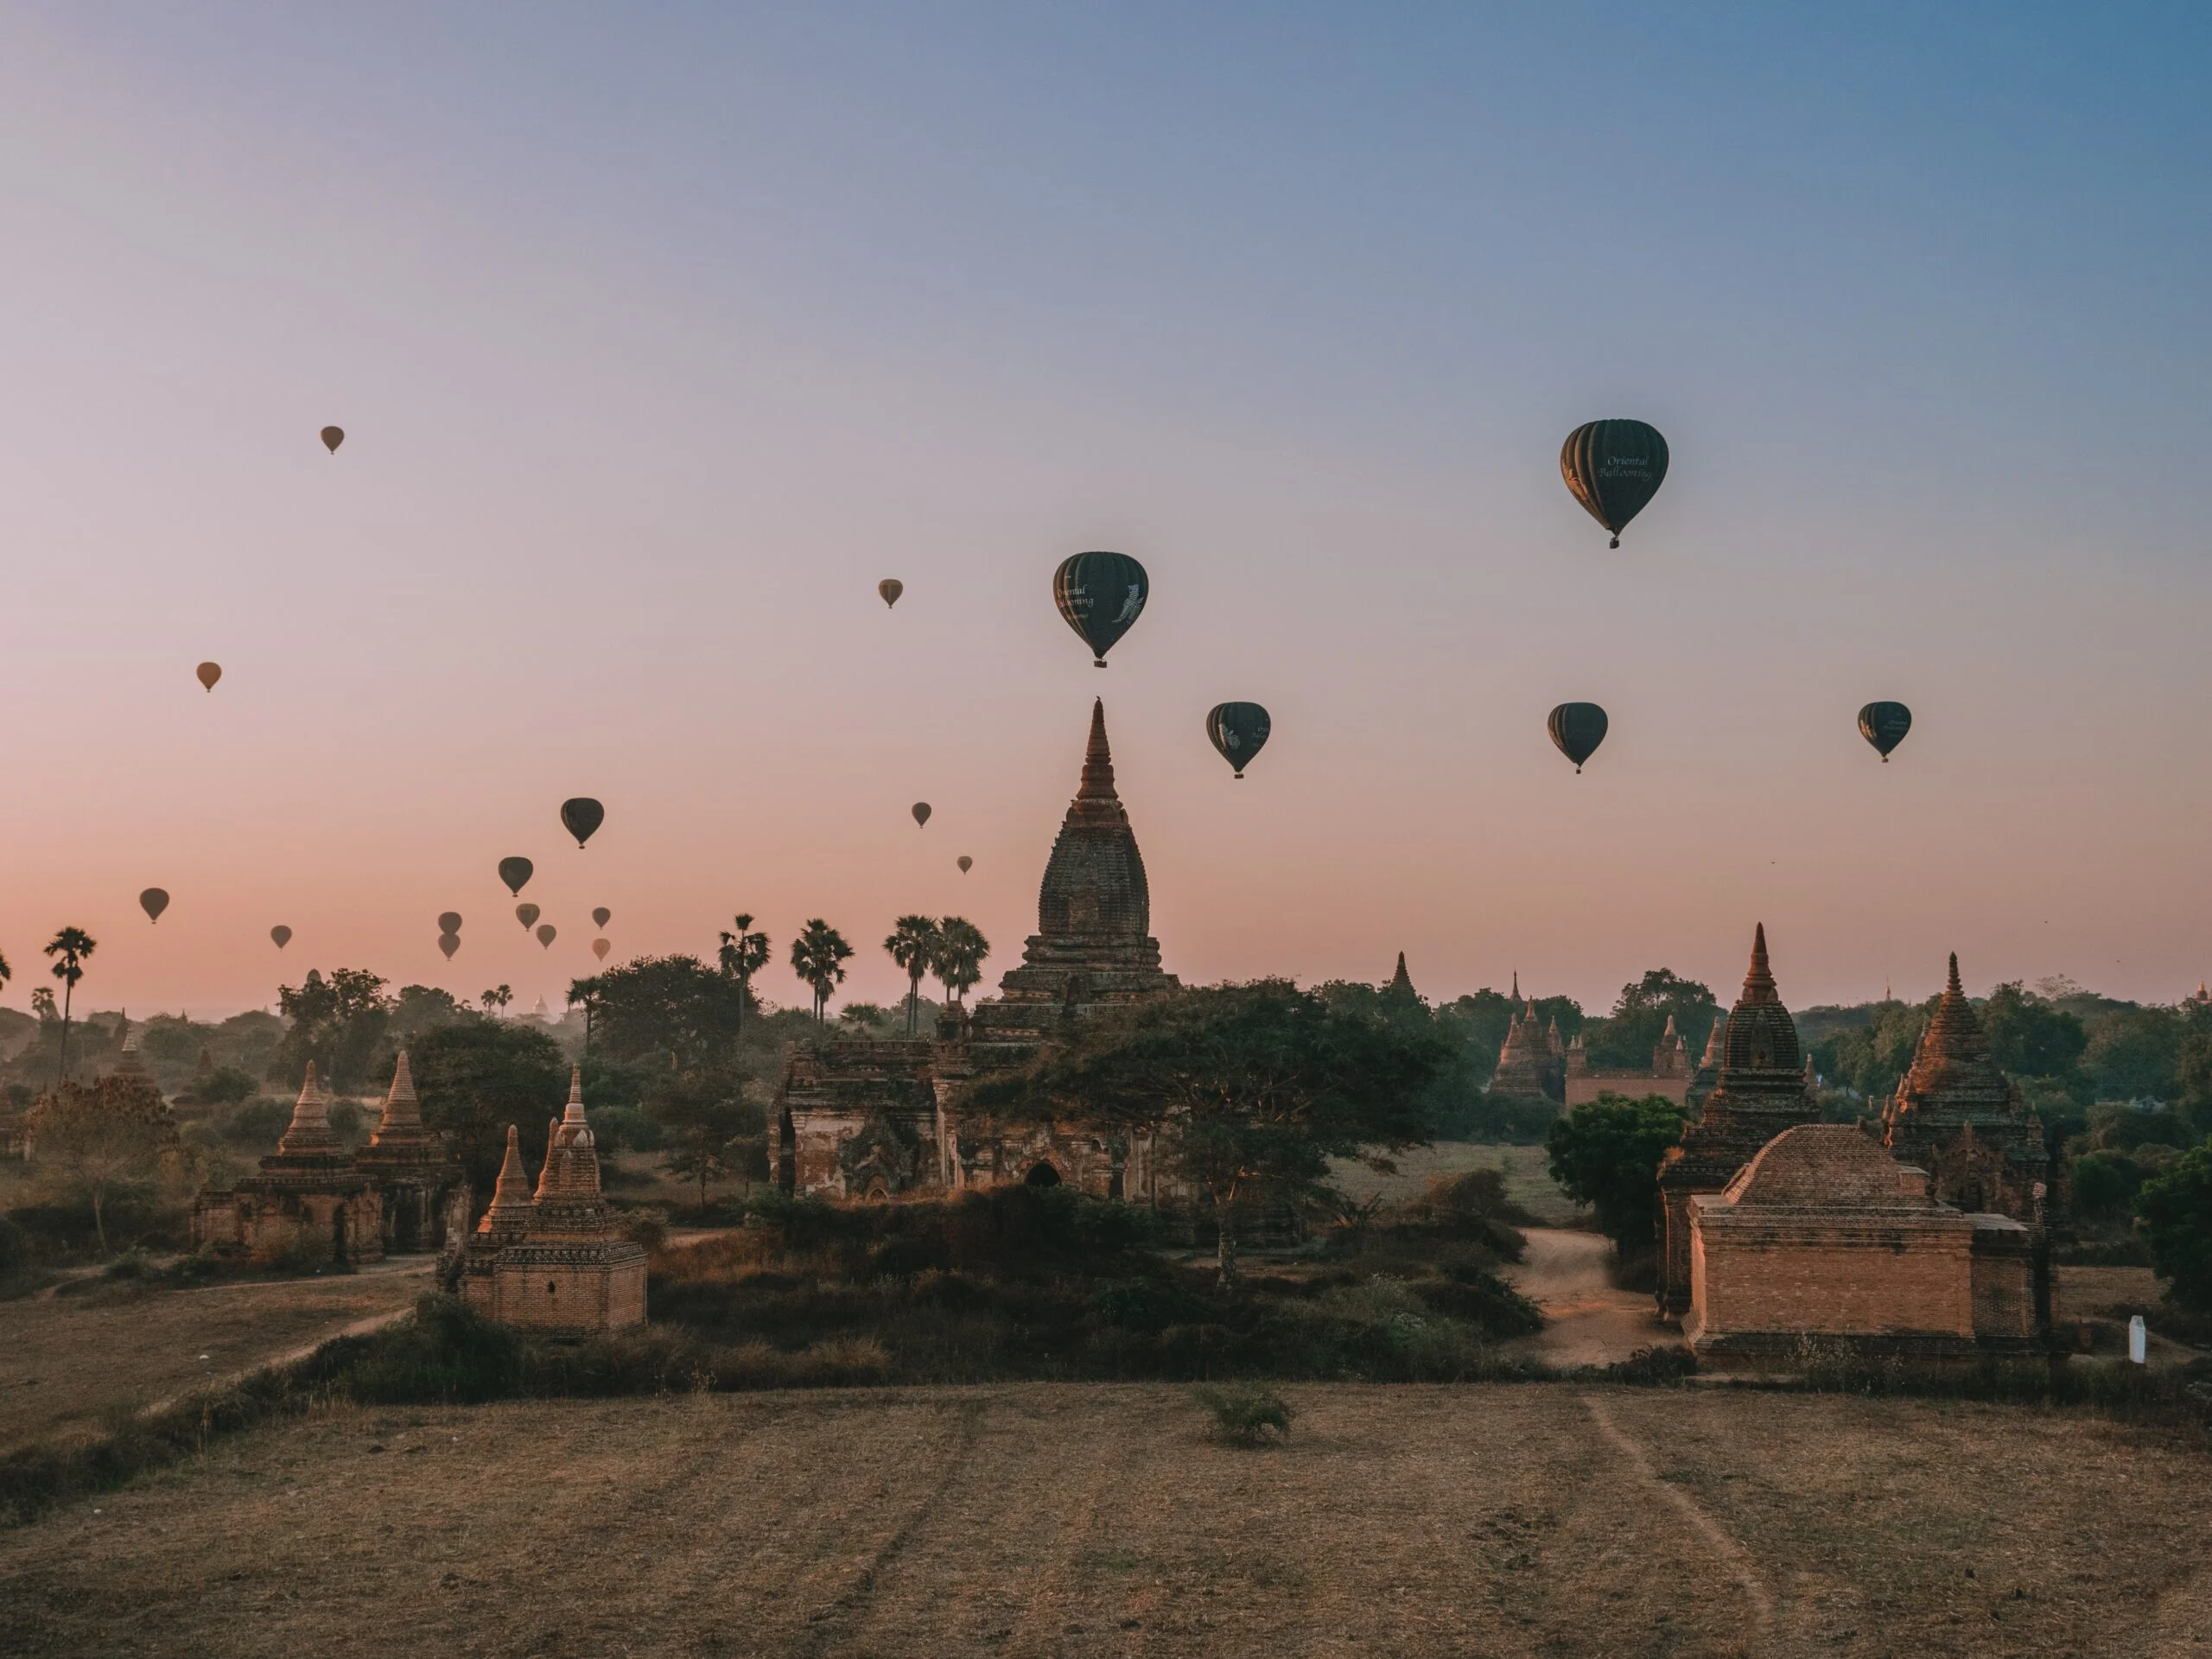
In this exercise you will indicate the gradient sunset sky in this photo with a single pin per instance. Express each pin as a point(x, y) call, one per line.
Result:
point(661, 334)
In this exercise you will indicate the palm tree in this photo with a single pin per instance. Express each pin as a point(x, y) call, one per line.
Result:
point(819, 957)
point(913, 945)
point(69, 948)
point(743, 955)
point(958, 962)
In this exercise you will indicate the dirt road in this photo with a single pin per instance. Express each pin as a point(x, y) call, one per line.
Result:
point(1587, 1322)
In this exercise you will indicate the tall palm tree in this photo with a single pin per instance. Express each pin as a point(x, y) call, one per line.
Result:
point(69, 948)
point(913, 945)
point(743, 955)
point(819, 957)
point(958, 962)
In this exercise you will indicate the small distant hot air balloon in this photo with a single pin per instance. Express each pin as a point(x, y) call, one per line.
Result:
point(332, 437)
point(965, 863)
point(153, 901)
point(1614, 468)
point(1238, 730)
point(449, 942)
point(890, 588)
point(545, 936)
point(515, 873)
point(600, 917)
point(1100, 595)
point(921, 811)
point(1884, 725)
point(581, 817)
point(1578, 728)
point(283, 935)
point(599, 948)
point(448, 921)
point(527, 914)
point(209, 673)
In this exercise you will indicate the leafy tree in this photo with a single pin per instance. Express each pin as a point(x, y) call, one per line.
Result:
point(475, 1079)
point(1605, 1154)
point(862, 1015)
point(672, 1010)
point(743, 955)
point(702, 1112)
point(2029, 1038)
point(69, 948)
point(2132, 1054)
point(818, 957)
point(420, 1008)
point(914, 944)
point(1871, 1058)
point(97, 1140)
point(1250, 1089)
point(338, 1023)
point(42, 1005)
point(2104, 1183)
point(961, 951)
point(1627, 1036)
point(2193, 1078)
point(225, 1086)
point(2175, 1212)
point(495, 1001)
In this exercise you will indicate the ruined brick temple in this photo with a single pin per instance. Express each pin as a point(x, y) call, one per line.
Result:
point(858, 1119)
point(308, 1198)
point(1532, 1061)
point(1670, 1075)
point(426, 1200)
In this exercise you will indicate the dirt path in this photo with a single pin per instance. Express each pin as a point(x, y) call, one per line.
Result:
point(1587, 1322)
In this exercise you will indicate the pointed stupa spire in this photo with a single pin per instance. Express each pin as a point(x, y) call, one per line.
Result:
point(402, 1112)
point(1097, 759)
point(1402, 980)
point(1953, 988)
point(1758, 980)
point(546, 1178)
point(510, 1196)
point(575, 1112)
point(310, 1126)
point(1712, 1041)
point(1667, 1035)
point(1516, 986)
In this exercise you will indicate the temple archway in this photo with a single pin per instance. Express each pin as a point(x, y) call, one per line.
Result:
point(1041, 1175)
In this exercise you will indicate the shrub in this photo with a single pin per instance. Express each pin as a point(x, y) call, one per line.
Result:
point(1247, 1416)
point(259, 1122)
point(1654, 1368)
point(2104, 1183)
point(444, 1351)
point(2175, 1212)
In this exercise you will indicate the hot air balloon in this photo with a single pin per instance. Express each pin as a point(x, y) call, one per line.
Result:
point(599, 948)
point(890, 588)
point(153, 901)
point(527, 914)
point(209, 673)
point(1578, 728)
point(1884, 725)
point(921, 811)
point(515, 873)
point(545, 936)
point(583, 816)
point(448, 921)
point(600, 917)
point(965, 862)
point(1100, 594)
point(332, 437)
point(449, 942)
point(1238, 730)
point(281, 935)
point(1614, 468)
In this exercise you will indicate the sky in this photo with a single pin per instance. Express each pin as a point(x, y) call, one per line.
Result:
point(661, 334)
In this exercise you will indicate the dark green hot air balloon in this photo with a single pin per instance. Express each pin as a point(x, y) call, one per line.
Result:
point(1101, 594)
point(1884, 725)
point(1614, 467)
point(580, 817)
point(1239, 730)
point(515, 871)
point(1578, 728)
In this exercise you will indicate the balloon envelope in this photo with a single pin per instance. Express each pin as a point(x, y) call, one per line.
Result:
point(599, 948)
point(545, 936)
point(891, 587)
point(209, 673)
point(332, 437)
point(1884, 725)
point(600, 917)
point(1238, 730)
point(515, 871)
point(448, 921)
point(527, 914)
point(449, 942)
point(921, 811)
point(153, 901)
point(1101, 594)
point(583, 816)
point(1578, 728)
point(966, 863)
point(281, 935)
point(1614, 468)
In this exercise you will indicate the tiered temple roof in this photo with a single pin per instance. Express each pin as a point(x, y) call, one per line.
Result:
point(1401, 981)
point(1532, 1059)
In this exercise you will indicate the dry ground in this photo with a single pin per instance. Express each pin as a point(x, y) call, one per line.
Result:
point(1528, 1181)
point(66, 1362)
point(1048, 1519)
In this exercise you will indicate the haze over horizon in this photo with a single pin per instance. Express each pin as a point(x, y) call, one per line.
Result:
point(659, 338)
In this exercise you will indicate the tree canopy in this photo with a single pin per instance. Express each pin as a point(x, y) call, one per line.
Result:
point(675, 1010)
point(1605, 1154)
point(1627, 1036)
point(475, 1078)
point(2175, 1211)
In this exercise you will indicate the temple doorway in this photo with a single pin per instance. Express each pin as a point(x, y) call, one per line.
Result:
point(1041, 1175)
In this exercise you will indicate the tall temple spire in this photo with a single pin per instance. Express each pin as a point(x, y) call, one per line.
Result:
point(1402, 980)
point(1097, 759)
point(1758, 980)
point(1954, 987)
point(401, 1119)
point(512, 1191)
point(1516, 986)
point(575, 1112)
point(310, 1126)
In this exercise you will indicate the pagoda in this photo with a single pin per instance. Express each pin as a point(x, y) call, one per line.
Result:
point(1758, 1092)
point(1532, 1061)
point(426, 1199)
point(1402, 982)
point(309, 1198)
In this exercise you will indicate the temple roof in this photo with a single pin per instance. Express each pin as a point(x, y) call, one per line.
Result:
point(1828, 1167)
point(1402, 980)
point(1761, 1039)
point(571, 1156)
point(310, 1132)
point(511, 1195)
point(1952, 1080)
point(401, 1119)
point(1094, 882)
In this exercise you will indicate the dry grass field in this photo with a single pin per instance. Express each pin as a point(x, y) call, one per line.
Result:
point(1070, 1519)
point(1528, 1181)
